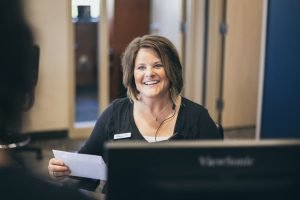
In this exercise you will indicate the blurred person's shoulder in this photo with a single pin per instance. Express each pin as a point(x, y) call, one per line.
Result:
point(17, 183)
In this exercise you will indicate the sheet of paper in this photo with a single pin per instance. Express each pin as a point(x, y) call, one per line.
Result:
point(83, 165)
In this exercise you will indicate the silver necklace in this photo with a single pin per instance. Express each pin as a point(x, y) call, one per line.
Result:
point(155, 118)
point(160, 125)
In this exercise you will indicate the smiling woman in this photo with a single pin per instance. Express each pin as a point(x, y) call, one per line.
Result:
point(152, 85)
point(154, 109)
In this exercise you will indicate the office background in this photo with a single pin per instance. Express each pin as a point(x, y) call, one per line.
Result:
point(225, 47)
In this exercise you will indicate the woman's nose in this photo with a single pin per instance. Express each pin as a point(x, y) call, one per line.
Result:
point(149, 71)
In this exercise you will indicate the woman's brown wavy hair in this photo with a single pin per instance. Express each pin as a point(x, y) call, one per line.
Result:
point(169, 58)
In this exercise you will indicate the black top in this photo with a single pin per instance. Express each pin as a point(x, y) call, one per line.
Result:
point(193, 122)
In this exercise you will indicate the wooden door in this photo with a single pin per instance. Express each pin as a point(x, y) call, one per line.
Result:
point(86, 54)
point(241, 62)
point(131, 19)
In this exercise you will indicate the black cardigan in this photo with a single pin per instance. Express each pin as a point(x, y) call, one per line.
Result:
point(193, 122)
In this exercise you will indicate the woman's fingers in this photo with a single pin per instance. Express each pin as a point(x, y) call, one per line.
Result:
point(60, 174)
point(54, 161)
point(57, 168)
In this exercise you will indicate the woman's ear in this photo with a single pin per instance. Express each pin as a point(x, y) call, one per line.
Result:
point(35, 56)
point(33, 67)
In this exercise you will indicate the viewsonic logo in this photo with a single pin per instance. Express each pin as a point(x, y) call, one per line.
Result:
point(228, 161)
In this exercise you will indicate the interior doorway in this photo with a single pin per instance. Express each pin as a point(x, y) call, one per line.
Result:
point(127, 22)
point(123, 23)
point(85, 17)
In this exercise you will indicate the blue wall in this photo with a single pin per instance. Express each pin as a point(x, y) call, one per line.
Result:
point(281, 98)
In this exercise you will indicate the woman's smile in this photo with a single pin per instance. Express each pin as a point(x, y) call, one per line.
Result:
point(154, 82)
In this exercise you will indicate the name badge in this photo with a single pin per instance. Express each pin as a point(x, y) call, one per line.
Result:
point(122, 136)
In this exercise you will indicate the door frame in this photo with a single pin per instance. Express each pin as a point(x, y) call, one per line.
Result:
point(261, 69)
point(83, 130)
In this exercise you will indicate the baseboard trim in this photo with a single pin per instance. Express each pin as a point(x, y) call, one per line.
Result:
point(239, 128)
point(48, 134)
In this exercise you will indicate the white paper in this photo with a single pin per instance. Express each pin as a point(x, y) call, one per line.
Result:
point(83, 165)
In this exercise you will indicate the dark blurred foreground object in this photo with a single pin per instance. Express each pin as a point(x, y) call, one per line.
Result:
point(19, 143)
point(17, 183)
point(18, 78)
point(208, 170)
point(19, 60)
point(12, 139)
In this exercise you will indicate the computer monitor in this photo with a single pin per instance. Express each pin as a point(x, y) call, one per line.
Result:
point(267, 169)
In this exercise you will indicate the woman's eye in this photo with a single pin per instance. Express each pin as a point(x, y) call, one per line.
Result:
point(141, 67)
point(158, 65)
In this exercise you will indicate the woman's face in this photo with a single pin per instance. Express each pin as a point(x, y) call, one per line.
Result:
point(149, 74)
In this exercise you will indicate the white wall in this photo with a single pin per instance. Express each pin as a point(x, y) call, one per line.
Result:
point(194, 52)
point(166, 20)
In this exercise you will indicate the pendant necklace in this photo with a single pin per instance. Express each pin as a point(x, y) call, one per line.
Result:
point(155, 118)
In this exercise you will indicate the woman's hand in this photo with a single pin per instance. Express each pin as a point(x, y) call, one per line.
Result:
point(57, 168)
